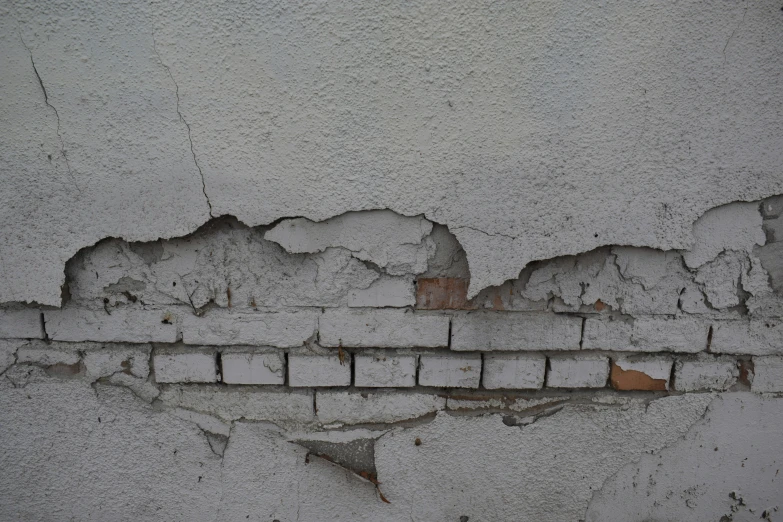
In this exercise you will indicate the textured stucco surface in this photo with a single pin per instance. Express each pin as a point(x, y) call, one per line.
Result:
point(530, 129)
point(99, 452)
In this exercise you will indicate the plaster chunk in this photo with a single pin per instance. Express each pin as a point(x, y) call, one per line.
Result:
point(464, 453)
point(385, 238)
point(374, 407)
point(735, 226)
point(225, 262)
point(8, 349)
point(396, 292)
point(632, 280)
point(247, 402)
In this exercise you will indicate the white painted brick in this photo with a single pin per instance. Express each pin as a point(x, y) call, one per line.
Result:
point(184, 366)
point(607, 334)
point(767, 374)
point(45, 355)
point(514, 371)
point(103, 361)
point(577, 371)
point(358, 408)
point(242, 402)
point(253, 367)
point(278, 329)
point(123, 325)
point(510, 331)
point(450, 370)
point(384, 369)
point(383, 329)
point(646, 334)
point(24, 323)
point(705, 373)
point(754, 337)
point(318, 370)
point(385, 291)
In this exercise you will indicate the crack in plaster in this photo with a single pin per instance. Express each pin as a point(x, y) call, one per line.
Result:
point(56, 113)
point(187, 125)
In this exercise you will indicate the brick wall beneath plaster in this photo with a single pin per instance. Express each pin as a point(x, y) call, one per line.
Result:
point(344, 323)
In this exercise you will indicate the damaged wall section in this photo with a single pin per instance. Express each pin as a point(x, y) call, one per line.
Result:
point(349, 348)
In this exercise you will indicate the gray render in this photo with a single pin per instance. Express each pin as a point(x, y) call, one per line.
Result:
point(217, 221)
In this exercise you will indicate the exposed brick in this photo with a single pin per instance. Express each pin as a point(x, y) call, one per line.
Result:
point(514, 371)
point(754, 337)
point(646, 334)
point(23, 323)
point(513, 331)
point(384, 369)
point(38, 352)
point(184, 366)
point(243, 367)
point(641, 373)
point(278, 329)
point(443, 293)
point(577, 371)
point(104, 360)
point(354, 408)
point(383, 329)
point(307, 371)
point(130, 325)
point(768, 374)
point(705, 373)
point(450, 371)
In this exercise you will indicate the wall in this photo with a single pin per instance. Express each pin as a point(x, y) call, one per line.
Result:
point(480, 261)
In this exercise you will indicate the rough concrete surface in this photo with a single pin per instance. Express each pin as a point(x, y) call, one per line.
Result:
point(529, 129)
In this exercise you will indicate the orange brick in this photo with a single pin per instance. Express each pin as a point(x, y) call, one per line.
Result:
point(634, 380)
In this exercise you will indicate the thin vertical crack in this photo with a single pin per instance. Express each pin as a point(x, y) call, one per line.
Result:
point(56, 114)
point(744, 12)
point(187, 125)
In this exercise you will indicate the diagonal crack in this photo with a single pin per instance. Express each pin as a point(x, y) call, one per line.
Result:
point(187, 125)
point(57, 114)
point(485, 232)
point(744, 12)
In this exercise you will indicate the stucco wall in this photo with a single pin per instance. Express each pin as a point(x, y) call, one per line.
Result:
point(391, 261)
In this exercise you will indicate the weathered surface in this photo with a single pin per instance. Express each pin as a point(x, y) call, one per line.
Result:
point(729, 475)
point(314, 110)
